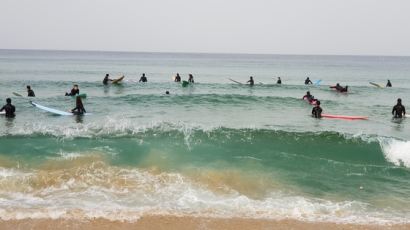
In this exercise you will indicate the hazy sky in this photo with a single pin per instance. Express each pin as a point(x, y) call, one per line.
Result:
point(370, 27)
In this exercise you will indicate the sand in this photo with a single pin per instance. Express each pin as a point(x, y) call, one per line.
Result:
point(182, 223)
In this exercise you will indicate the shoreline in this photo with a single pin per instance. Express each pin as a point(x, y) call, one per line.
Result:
point(184, 222)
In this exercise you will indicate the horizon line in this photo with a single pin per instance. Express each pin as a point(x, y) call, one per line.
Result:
point(205, 53)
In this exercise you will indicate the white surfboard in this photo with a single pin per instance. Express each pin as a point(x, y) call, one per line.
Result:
point(3, 113)
point(54, 111)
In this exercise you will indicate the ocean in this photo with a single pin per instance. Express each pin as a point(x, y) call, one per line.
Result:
point(212, 149)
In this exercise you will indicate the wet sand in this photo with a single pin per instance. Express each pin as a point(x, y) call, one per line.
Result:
point(182, 223)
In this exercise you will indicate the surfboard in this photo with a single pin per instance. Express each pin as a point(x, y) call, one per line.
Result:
point(311, 103)
point(54, 111)
point(237, 82)
point(375, 84)
point(82, 95)
point(3, 113)
point(317, 83)
point(344, 117)
point(118, 80)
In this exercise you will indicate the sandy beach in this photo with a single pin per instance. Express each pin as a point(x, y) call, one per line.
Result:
point(181, 223)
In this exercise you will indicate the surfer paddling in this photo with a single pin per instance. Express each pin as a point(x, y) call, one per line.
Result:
point(340, 88)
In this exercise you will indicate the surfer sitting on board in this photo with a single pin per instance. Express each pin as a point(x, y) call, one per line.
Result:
point(143, 78)
point(279, 81)
point(339, 88)
point(106, 79)
point(191, 78)
point(79, 107)
point(309, 97)
point(308, 81)
point(388, 84)
point(251, 82)
point(30, 92)
point(9, 108)
point(317, 110)
point(398, 110)
point(177, 78)
point(74, 91)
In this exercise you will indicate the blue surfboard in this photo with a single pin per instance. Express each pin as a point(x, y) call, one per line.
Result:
point(54, 111)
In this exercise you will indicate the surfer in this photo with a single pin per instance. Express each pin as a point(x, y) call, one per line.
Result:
point(388, 84)
point(177, 78)
point(9, 108)
point(167, 92)
point(79, 107)
point(309, 97)
point(30, 92)
point(106, 79)
point(339, 88)
point(251, 82)
point(317, 110)
point(191, 78)
point(279, 81)
point(398, 110)
point(308, 81)
point(74, 91)
point(143, 78)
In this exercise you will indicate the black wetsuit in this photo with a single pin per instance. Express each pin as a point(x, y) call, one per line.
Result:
point(78, 111)
point(105, 81)
point(251, 82)
point(388, 84)
point(191, 80)
point(317, 112)
point(143, 79)
point(308, 81)
point(30, 93)
point(10, 110)
point(279, 82)
point(177, 79)
point(73, 92)
point(398, 111)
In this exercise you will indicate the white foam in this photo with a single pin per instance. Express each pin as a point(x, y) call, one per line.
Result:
point(396, 151)
point(144, 193)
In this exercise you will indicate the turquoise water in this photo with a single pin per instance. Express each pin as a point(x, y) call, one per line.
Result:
point(215, 148)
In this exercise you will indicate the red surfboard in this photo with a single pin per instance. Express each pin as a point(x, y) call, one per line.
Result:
point(344, 117)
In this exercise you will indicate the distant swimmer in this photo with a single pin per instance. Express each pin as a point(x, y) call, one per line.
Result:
point(191, 78)
point(74, 91)
point(79, 107)
point(279, 81)
point(251, 82)
point(309, 97)
point(143, 78)
point(167, 92)
point(317, 110)
point(308, 81)
point(398, 110)
point(388, 84)
point(340, 88)
point(106, 79)
point(9, 108)
point(30, 92)
point(177, 78)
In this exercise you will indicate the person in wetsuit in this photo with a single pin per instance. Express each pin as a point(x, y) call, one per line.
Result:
point(388, 84)
point(177, 78)
point(398, 110)
point(317, 110)
point(79, 107)
point(309, 97)
point(340, 88)
point(30, 92)
point(9, 108)
point(74, 91)
point(251, 82)
point(279, 81)
point(308, 81)
point(106, 79)
point(191, 78)
point(143, 78)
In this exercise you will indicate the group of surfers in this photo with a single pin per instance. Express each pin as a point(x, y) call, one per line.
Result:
point(398, 110)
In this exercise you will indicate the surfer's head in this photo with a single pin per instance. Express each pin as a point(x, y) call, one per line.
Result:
point(317, 102)
point(8, 100)
point(399, 101)
point(107, 75)
point(308, 93)
point(28, 87)
point(166, 92)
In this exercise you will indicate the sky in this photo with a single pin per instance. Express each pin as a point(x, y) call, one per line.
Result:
point(340, 27)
